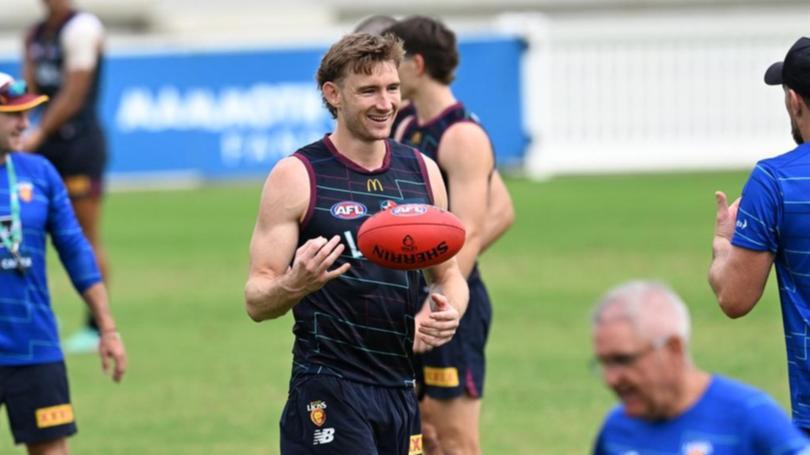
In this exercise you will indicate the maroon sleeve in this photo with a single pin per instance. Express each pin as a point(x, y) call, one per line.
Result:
point(311, 172)
point(425, 175)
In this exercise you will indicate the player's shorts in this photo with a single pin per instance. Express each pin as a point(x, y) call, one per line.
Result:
point(328, 415)
point(37, 402)
point(80, 159)
point(458, 367)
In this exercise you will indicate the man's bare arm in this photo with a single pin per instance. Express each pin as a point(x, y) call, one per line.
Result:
point(500, 212)
point(466, 157)
point(274, 286)
point(737, 275)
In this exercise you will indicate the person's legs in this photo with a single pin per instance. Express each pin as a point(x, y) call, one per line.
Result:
point(430, 436)
point(452, 377)
point(451, 408)
point(81, 161)
point(55, 447)
point(86, 198)
point(395, 420)
point(455, 423)
point(88, 212)
point(39, 409)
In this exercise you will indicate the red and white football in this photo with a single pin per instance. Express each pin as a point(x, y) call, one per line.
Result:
point(411, 236)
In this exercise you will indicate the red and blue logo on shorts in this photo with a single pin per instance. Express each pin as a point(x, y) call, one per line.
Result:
point(348, 210)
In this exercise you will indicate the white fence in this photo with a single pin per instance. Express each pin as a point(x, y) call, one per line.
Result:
point(656, 92)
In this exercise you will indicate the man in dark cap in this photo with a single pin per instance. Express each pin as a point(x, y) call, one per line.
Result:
point(770, 224)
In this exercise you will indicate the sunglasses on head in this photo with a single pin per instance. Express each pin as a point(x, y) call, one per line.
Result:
point(14, 89)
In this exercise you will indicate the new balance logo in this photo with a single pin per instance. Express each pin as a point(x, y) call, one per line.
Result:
point(324, 436)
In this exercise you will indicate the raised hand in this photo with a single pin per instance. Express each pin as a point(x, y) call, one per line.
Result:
point(436, 327)
point(726, 216)
point(310, 269)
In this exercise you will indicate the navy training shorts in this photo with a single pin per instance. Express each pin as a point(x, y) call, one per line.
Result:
point(328, 415)
point(80, 159)
point(458, 367)
point(37, 401)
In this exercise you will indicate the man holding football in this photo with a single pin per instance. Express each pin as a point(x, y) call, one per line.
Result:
point(356, 324)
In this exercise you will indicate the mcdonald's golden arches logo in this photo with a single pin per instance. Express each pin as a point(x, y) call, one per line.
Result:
point(374, 185)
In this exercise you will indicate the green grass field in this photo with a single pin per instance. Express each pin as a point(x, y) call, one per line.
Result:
point(205, 379)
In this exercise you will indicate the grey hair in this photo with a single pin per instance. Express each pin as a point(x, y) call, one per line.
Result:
point(375, 25)
point(652, 307)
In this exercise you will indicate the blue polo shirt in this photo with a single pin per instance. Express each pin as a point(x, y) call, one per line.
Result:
point(730, 418)
point(28, 332)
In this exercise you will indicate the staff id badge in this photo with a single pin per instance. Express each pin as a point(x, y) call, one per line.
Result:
point(14, 259)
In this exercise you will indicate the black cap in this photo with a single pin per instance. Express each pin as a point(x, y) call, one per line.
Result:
point(794, 71)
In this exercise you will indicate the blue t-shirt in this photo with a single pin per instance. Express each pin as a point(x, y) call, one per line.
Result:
point(28, 333)
point(774, 216)
point(730, 418)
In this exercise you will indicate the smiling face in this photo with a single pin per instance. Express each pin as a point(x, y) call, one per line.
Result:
point(12, 126)
point(366, 103)
point(642, 373)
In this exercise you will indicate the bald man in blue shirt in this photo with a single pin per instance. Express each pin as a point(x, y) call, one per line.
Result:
point(668, 405)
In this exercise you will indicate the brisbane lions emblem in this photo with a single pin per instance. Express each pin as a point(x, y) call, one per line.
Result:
point(317, 412)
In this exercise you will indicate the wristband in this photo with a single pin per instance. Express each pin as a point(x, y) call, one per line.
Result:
point(111, 332)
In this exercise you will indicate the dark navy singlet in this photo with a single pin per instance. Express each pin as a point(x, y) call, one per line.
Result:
point(427, 137)
point(360, 325)
point(44, 48)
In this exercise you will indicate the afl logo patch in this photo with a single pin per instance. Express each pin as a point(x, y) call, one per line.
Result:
point(409, 210)
point(348, 210)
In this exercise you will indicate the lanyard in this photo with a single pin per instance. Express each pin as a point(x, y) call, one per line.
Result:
point(12, 238)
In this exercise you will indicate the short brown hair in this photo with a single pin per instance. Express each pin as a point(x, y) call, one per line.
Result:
point(358, 52)
point(431, 39)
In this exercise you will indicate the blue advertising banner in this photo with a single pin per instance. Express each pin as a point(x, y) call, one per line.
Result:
point(227, 114)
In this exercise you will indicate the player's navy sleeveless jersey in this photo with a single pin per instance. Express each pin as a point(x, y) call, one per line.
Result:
point(43, 47)
point(360, 325)
point(406, 113)
point(427, 137)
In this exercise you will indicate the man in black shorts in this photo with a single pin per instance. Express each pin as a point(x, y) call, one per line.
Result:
point(356, 324)
point(452, 377)
point(63, 55)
